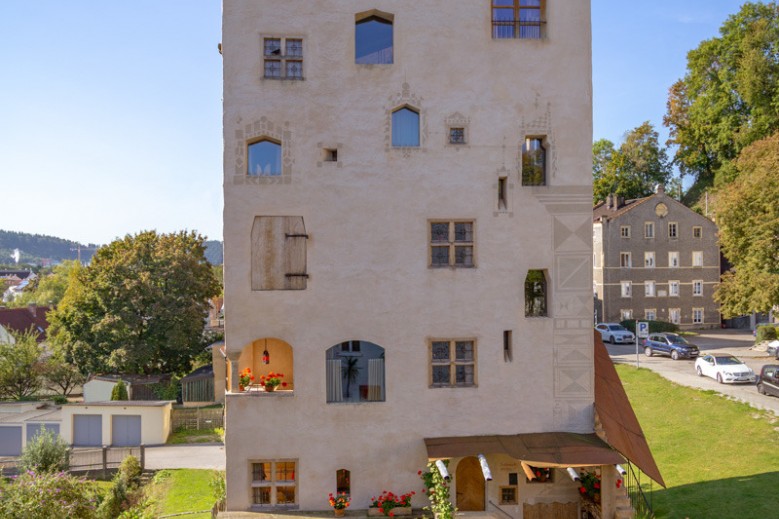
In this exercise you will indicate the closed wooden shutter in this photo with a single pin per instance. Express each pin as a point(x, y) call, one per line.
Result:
point(279, 253)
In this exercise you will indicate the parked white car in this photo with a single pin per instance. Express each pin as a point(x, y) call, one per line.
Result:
point(725, 369)
point(615, 333)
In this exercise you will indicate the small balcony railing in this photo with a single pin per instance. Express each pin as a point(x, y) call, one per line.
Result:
point(521, 29)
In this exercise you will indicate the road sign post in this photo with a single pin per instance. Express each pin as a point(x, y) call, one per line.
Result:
point(642, 332)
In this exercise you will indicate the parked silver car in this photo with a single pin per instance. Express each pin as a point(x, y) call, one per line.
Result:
point(615, 333)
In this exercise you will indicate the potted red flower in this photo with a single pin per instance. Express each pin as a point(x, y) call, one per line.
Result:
point(272, 380)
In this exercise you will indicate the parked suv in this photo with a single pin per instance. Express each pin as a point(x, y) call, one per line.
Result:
point(615, 333)
point(670, 344)
point(768, 381)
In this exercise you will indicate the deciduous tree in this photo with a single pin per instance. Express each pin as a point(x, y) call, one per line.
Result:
point(729, 96)
point(748, 219)
point(139, 307)
point(21, 367)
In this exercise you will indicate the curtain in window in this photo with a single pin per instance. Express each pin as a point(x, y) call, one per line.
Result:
point(405, 127)
point(376, 379)
point(335, 392)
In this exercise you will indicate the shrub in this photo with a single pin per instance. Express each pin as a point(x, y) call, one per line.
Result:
point(766, 333)
point(119, 392)
point(46, 452)
point(130, 470)
point(125, 492)
point(654, 326)
point(47, 495)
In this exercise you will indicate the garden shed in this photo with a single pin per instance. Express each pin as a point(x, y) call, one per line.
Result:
point(123, 423)
point(197, 388)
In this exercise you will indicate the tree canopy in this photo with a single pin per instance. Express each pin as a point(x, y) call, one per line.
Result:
point(21, 367)
point(48, 289)
point(632, 170)
point(729, 96)
point(748, 219)
point(139, 307)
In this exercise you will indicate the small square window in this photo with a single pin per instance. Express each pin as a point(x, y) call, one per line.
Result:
point(649, 230)
point(451, 244)
point(283, 58)
point(508, 495)
point(624, 231)
point(650, 314)
point(697, 232)
point(456, 135)
point(331, 154)
point(452, 363)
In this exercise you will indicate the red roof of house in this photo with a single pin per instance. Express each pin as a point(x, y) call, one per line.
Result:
point(21, 320)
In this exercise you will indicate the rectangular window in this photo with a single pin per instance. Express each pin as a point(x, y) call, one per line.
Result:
point(697, 315)
point(625, 314)
point(533, 162)
point(451, 244)
point(673, 230)
point(673, 259)
point(650, 314)
point(518, 19)
point(502, 195)
point(508, 495)
point(697, 232)
point(697, 287)
point(675, 315)
point(649, 288)
point(283, 58)
point(624, 231)
point(508, 346)
point(627, 288)
point(274, 483)
point(649, 259)
point(673, 288)
point(456, 135)
point(624, 260)
point(697, 258)
point(452, 363)
point(649, 229)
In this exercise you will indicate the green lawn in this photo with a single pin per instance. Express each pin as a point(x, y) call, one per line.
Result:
point(719, 458)
point(183, 490)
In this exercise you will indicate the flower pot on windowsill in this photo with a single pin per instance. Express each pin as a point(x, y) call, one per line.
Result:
point(339, 512)
point(270, 389)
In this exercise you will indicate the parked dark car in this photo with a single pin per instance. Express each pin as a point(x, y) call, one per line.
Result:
point(671, 344)
point(768, 381)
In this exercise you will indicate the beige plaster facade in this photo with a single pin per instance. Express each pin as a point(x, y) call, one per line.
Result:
point(362, 218)
point(155, 419)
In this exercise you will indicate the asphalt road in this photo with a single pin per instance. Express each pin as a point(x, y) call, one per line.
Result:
point(188, 456)
point(734, 342)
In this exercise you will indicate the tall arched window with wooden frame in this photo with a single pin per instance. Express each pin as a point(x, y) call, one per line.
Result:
point(535, 294)
point(524, 19)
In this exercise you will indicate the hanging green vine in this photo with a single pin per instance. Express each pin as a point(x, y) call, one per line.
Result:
point(437, 490)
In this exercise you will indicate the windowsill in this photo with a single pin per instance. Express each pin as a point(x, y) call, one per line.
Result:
point(272, 78)
point(472, 386)
point(274, 175)
point(261, 392)
point(450, 267)
point(270, 508)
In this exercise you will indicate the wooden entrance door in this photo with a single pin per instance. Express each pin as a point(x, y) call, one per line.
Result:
point(469, 482)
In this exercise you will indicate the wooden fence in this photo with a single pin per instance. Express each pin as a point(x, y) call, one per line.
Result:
point(194, 419)
point(89, 461)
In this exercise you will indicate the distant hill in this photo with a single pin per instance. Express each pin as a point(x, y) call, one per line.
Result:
point(38, 249)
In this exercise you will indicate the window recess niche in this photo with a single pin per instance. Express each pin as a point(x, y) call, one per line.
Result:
point(503, 189)
point(330, 154)
point(457, 131)
point(405, 127)
point(261, 131)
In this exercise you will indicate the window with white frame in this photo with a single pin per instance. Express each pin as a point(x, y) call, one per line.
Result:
point(283, 58)
point(625, 259)
point(649, 229)
point(697, 315)
point(649, 259)
point(673, 259)
point(274, 483)
point(675, 315)
point(650, 314)
point(673, 288)
point(673, 230)
point(626, 314)
point(697, 258)
point(626, 288)
point(452, 363)
point(649, 289)
point(697, 287)
point(624, 231)
point(697, 232)
point(451, 244)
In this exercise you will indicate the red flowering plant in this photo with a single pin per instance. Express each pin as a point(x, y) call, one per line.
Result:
point(245, 378)
point(590, 485)
point(387, 501)
point(339, 501)
point(272, 380)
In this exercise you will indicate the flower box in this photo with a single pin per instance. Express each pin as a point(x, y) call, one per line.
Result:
point(398, 510)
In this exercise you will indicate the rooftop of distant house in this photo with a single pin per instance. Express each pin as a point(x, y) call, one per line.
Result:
point(21, 320)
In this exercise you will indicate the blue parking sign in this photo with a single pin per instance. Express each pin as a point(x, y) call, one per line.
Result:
point(642, 329)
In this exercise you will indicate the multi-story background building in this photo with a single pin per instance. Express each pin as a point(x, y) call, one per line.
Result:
point(655, 259)
point(408, 241)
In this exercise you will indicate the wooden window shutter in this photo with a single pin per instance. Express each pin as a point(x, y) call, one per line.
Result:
point(279, 253)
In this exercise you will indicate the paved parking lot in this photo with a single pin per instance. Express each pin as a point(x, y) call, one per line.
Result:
point(734, 342)
point(191, 456)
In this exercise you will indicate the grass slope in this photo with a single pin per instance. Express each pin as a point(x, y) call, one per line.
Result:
point(719, 458)
point(183, 490)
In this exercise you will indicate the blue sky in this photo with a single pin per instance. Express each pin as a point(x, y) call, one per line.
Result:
point(110, 112)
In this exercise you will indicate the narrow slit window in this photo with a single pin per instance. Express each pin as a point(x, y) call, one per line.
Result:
point(508, 354)
point(502, 196)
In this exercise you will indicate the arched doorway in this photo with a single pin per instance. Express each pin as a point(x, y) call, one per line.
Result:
point(469, 482)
